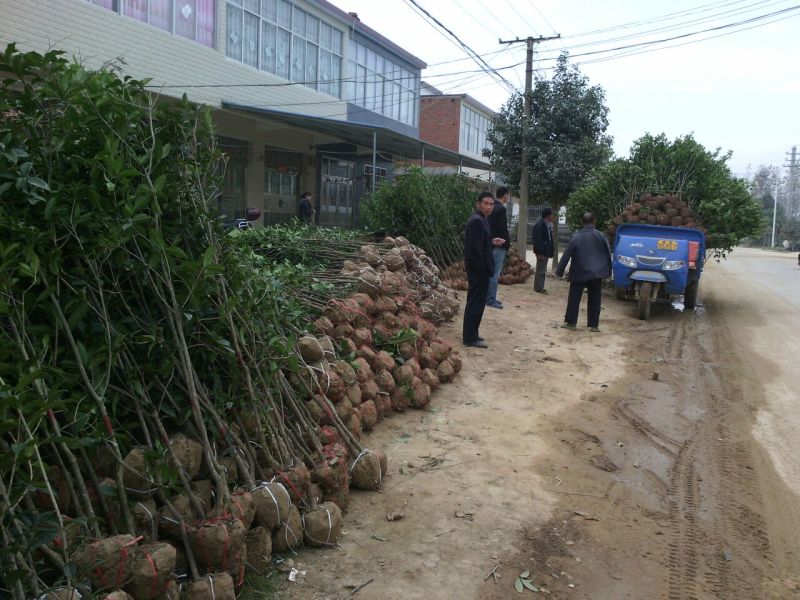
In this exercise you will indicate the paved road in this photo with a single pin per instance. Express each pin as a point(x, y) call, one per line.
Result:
point(756, 294)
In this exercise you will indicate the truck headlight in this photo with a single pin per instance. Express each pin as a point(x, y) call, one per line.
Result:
point(626, 261)
point(674, 265)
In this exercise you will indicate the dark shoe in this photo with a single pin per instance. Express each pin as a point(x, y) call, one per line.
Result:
point(496, 304)
point(541, 291)
point(479, 339)
point(594, 329)
point(476, 344)
point(570, 326)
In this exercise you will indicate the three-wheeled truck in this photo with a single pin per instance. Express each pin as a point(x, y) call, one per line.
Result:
point(653, 262)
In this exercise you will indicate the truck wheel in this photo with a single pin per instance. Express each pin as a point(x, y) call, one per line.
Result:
point(645, 300)
point(690, 294)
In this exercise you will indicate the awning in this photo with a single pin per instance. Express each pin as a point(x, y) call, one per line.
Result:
point(361, 134)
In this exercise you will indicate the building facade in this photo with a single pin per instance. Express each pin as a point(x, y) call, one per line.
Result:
point(458, 123)
point(305, 96)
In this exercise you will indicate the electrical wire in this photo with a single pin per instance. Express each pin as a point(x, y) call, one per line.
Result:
point(469, 50)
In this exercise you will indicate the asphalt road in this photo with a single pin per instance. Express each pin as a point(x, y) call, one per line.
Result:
point(755, 294)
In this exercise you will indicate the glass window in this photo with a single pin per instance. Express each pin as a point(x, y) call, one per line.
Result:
point(186, 18)
point(298, 58)
point(324, 72)
point(336, 41)
point(206, 17)
point(269, 45)
point(361, 83)
point(284, 14)
point(372, 60)
point(312, 56)
point(325, 36)
point(109, 4)
point(269, 10)
point(362, 54)
point(284, 50)
point(254, 6)
point(234, 37)
point(160, 12)
point(336, 75)
point(312, 29)
point(298, 21)
point(136, 9)
point(250, 40)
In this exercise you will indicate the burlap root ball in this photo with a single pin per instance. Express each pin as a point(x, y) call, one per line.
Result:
point(259, 549)
point(289, 534)
point(322, 526)
point(151, 571)
point(272, 504)
point(219, 546)
point(365, 471)
point(218, 586)
point(107, 562)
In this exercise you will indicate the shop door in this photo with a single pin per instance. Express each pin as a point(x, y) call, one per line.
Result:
point(336, 197)
point(233, 197)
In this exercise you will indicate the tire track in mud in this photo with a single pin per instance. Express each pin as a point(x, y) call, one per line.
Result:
point(719, 535)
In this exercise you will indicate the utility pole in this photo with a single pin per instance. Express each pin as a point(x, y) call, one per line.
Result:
point(791, 191)
point(524, 182)
point(775, 209)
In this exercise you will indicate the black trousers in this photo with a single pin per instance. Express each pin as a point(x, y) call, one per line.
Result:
point(476, 302)
point(595, 287)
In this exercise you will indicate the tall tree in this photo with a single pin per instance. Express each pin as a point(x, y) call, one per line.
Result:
point(683, 166)
point(566, 138)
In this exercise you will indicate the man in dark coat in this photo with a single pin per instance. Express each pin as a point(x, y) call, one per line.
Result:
point(479, 265)
point(305, 211)
point(498, 224)
point(542, 247)
point(590, 257)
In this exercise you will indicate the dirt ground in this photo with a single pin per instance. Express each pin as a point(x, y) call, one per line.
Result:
point(614, 465)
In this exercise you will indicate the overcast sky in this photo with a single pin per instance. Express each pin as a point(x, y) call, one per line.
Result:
point(737, 88)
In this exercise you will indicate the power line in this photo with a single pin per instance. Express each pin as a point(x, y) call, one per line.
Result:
point(469, 50)
point(531, 2)
point(673, 27)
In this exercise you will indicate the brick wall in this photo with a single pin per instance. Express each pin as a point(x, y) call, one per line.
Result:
point(440, 121)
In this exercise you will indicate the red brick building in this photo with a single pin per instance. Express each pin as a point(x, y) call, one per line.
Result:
point(456, 122)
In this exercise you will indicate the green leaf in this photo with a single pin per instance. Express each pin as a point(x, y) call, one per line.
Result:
point(528, 584)
point(518, 585)
point(38, 183)
point(525, 574)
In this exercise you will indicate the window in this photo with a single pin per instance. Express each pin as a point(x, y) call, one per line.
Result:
point(380, 177)
point(277, 37)
point(382, 85)
point(233, 197)
point(191, 19)
point(474, 126)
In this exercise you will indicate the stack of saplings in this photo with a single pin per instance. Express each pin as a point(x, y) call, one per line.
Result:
point(401, 269)
point(515, 270)
point(156, 438)
point(667, 209)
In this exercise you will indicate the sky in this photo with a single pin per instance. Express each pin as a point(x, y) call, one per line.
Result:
point(736, 88)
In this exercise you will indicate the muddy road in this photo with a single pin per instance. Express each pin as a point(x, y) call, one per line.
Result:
point(654, 460)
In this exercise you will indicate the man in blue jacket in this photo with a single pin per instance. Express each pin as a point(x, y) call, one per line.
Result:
point(590, 257)
point(498, 224)
point(479, 265)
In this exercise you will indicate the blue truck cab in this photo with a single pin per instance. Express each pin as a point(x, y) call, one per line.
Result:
point(655, 261)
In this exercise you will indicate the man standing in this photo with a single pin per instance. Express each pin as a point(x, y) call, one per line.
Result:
point(479, 264)
point(498, 224)
point(305, 211)
point(591, 263)
point(542, 247)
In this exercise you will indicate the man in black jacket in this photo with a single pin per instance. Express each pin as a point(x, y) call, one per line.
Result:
point(479, 265)
point(498, 224)
point(542, 247)
point(305, 211)
point(591, 263)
